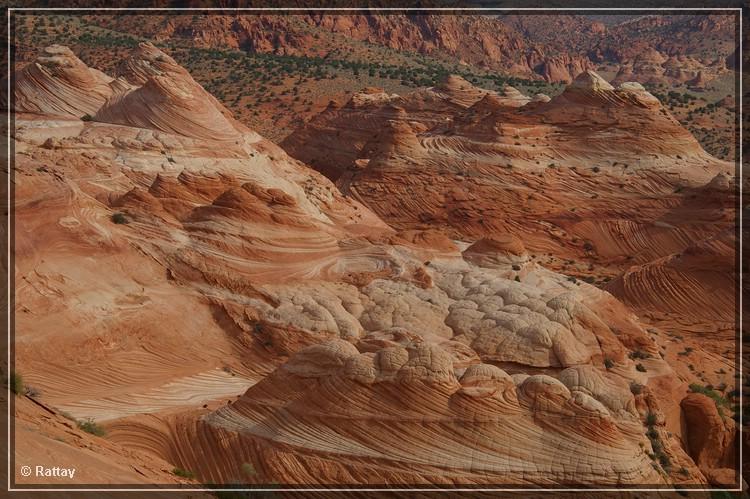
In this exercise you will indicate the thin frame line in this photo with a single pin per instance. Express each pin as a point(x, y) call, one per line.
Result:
point(9, 250)
point(360, 9)
point(740, 209)
point(377, 490)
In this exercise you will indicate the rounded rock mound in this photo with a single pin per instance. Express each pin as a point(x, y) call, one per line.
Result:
point(499, 249)
point(59, 83)
point(169, 100)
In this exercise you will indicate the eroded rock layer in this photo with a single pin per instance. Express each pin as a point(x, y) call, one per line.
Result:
point(58, 83)
point(167, 99)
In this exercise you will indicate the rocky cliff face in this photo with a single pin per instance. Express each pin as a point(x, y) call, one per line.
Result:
point(556, 48)
point(230, 310)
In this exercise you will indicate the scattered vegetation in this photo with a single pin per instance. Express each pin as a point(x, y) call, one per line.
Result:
point(720, 401)
point(675, 99)
point(89, 426)
point(248, 470)
point(18, 387)
point(664, 460)
point(246, 80)
point(636, 388)
point(656, 444)
point(639, 354)
point(120, 218)
point(16, 383)
point(183, 473)
point(609, 363)
point(640, 367)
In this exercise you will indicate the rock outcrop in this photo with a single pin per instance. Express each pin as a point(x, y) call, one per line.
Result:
point(711, 439)
point(555, 48)
point(57, 83)
point(168, 100)
point(573, 152)
point(366, 412)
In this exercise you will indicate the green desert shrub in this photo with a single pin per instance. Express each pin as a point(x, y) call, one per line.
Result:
point(119, 218)
point(89, 426)
point(183, 473)
point(636, 388)
point(16, 383)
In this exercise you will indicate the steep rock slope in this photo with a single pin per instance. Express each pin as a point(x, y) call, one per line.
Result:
point(166, 99)
point(58, 83)
point(555, 48)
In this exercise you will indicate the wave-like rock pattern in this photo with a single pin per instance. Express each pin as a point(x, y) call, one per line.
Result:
point(168, 100)
point(593, 170)
point(59, 83)
point(405, 408)
point(697, 284)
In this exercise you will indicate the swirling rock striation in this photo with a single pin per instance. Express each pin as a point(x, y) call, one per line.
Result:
point(59, 83)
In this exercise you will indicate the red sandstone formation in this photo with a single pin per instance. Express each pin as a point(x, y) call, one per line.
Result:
point(553, 47)
point(220, 306)
point(591, 163)
point(58, 83)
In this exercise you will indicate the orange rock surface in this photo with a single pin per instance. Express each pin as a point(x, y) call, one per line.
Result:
point(224, 308)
